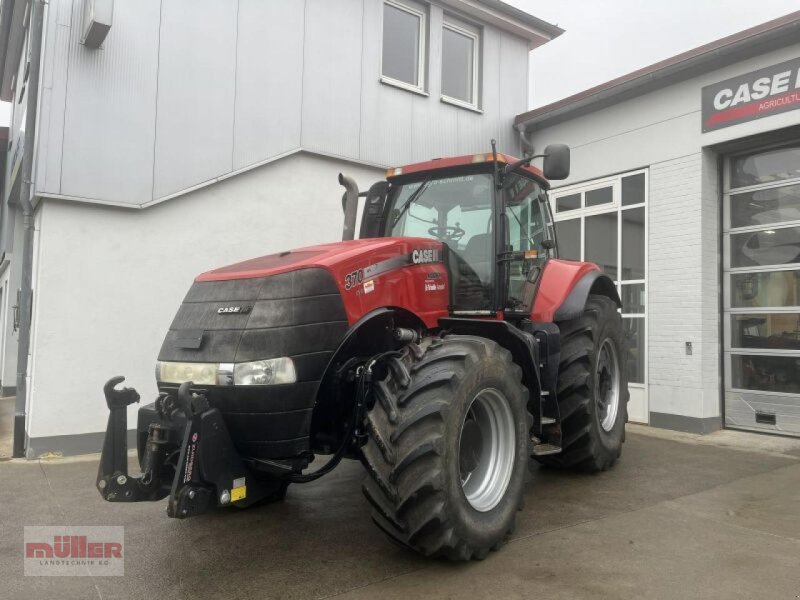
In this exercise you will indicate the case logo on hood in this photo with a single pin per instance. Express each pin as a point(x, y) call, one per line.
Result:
point(425, 256)
point(234, 310)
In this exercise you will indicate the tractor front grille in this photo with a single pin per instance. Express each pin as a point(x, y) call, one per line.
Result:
point(299, 314)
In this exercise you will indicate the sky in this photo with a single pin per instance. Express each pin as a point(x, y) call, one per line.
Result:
point(608, 38)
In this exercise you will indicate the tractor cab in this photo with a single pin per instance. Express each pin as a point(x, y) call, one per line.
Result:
point(492, 215)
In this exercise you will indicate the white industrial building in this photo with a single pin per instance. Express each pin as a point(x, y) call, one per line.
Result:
point(685, 187)
point(174, 136)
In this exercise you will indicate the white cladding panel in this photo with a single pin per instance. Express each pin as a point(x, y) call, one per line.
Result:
point(398, 126)
point(332, 76)
point(53, 95)
point(196, 90)
point(109, 124)
point(386, 112)
point(513, 80)
point(269, 86)
point(186, 91)
point(433, 124)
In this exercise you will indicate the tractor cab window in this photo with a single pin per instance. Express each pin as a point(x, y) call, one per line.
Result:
point(529, 226)
point(458, 212)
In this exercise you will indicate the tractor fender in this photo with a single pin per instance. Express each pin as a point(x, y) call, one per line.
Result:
point(372, 334)
point(593, 282)
point(564, 287)
point(521, 344)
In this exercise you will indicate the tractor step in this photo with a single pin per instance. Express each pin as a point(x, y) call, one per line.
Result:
point(545, 449)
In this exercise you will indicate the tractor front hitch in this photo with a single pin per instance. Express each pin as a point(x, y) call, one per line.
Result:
point(113, 481)
point(188, 456)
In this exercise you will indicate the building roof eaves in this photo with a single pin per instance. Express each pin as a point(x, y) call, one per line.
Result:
point(756, 40)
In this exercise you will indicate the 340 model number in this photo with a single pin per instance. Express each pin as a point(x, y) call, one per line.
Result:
point(353, 279)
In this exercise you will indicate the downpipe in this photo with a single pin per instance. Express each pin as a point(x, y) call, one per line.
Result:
point(350, 206)
point(26, 288)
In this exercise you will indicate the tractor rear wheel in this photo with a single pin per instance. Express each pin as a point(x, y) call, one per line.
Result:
point(592, 389)
point(448, 447)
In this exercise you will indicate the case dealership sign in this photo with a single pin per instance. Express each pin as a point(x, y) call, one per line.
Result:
point(757, 94)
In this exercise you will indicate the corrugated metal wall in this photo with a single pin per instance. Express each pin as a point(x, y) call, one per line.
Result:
point(185, 91)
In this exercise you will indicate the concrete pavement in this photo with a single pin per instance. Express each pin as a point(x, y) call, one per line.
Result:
point(679, 517)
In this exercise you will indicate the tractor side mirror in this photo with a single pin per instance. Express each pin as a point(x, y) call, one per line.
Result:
point(556, 161)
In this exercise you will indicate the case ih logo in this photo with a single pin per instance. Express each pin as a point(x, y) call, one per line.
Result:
point(425, 256)
point(74, 551)
point(761, 93)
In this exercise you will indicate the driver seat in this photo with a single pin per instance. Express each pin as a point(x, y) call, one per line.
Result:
point(478, 254)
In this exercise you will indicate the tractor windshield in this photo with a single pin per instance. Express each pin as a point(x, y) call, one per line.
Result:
point(458, 212)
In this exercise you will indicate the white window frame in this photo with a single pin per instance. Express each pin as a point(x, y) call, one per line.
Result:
point(615, 206)
point(475, 35)
point(422, 50)
point(615, 183)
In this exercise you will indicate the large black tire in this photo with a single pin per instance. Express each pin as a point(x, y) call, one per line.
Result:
point(586, 444)
point(413, 460)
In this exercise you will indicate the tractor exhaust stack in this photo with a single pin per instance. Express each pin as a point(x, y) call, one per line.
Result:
point(350, 206)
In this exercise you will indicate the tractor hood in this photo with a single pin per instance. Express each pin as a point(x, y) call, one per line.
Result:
point(368, 274)
point(304, 300)
point(327, 256)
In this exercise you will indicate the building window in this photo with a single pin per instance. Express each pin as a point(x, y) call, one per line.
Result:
point(460, 63)
point(761, 293)
point(604, 222)
point(403, 59)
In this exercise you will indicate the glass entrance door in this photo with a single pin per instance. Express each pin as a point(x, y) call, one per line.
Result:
point(761, 290)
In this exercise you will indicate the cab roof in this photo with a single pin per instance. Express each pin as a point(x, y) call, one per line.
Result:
point(450, 162)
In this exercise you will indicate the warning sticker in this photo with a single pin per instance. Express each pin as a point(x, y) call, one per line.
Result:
point(369, 286)
point(238, 493)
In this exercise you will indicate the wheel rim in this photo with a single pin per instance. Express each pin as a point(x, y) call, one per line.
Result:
point(606, 385)
point(487, 449)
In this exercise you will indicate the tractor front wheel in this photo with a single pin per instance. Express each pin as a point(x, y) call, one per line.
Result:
point(448, 447)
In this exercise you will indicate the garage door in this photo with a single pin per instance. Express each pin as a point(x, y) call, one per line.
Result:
point(761, 286)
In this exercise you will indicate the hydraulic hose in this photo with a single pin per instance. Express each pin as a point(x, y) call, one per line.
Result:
point(362, 388)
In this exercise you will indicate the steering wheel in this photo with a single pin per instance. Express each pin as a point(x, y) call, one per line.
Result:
point(447, 233)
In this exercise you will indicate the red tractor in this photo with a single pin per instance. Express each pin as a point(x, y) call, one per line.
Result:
point(444, 349)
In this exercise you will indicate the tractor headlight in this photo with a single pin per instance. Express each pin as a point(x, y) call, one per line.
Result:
point(178, 372)
point(265, 372)
point(273, 371)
